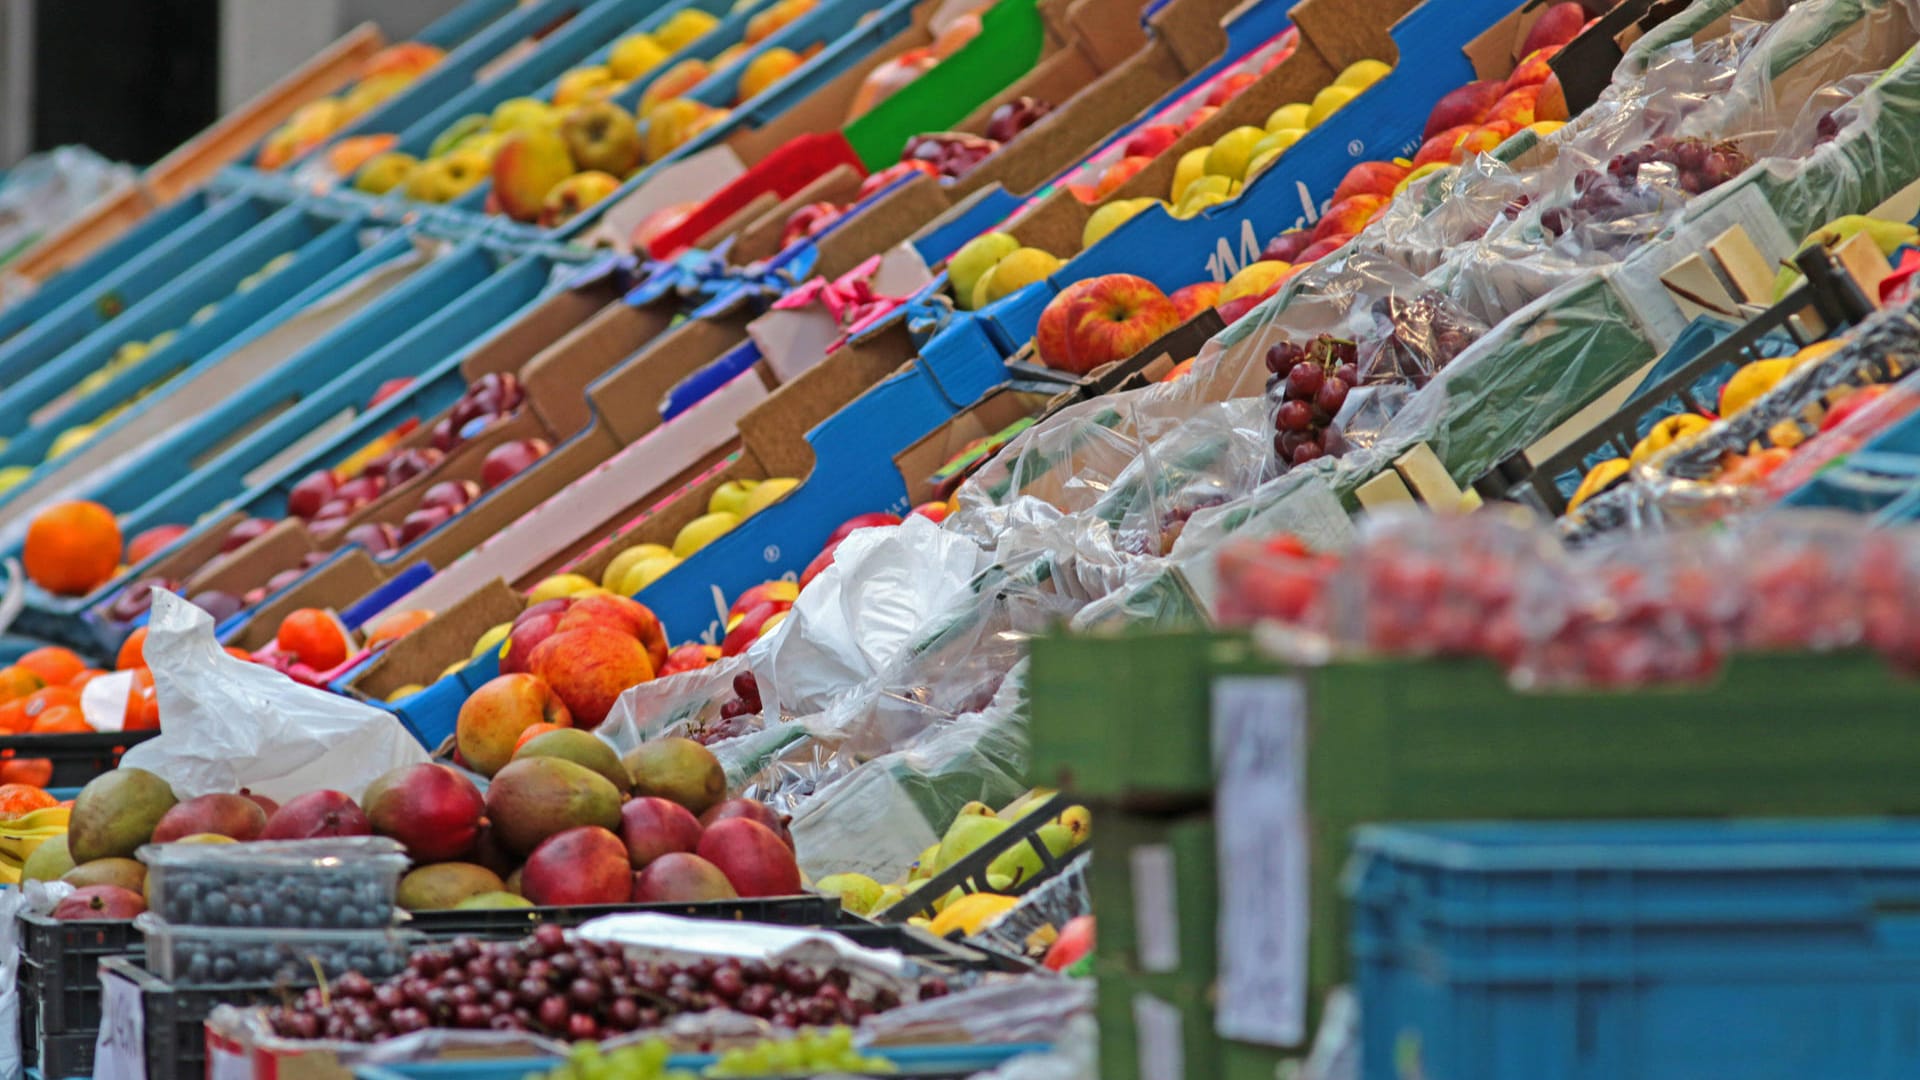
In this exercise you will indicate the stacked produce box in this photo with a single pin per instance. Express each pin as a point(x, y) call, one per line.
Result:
point(638, 537)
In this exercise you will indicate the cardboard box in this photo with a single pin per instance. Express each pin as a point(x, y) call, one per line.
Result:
point(1454, 42)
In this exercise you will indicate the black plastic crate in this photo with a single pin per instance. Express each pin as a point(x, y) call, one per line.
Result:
point(970, 874)
point(174, 1017)
point(59, 970)
point(76, 758)
point(65, 1057)
point(923, 946)
point(514, 922)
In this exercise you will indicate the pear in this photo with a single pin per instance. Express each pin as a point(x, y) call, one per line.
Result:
point(927, 865)
point(965, 835)
point(858, 893)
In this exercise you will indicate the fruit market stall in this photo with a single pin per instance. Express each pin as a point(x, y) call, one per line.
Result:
point(648, 549)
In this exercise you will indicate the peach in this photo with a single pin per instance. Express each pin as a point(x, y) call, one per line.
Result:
point(1191, 300)
point(1348, 216)
point(1101, 320)
point(1463, 107)
point(1371, 178)
point(765, 70)
point(590, 667)
point(673, 82)
point(493, 717)
point(1118, 174)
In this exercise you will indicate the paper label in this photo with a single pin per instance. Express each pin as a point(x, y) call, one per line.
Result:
point(227, 1060)
point(1156, 915)
point(1259, 740)
point(121, 1050)
point(1163, 1052)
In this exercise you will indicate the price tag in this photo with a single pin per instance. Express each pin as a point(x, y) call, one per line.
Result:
point(1259, 751)
point(121, 1050)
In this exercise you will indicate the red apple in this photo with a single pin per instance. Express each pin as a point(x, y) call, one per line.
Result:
point(807, 221)
point(362, 489)
point(151, 542)
point(1075, 941)
point(862, 521)
point(1200, 116)
point(505, 461)
point(1371, 178)
point(244, 533)
point(314, 490)
point(747, 630)
point(1557, 25)
point(935, 512)
point(767, 592)
point(688, 658)
point(659, 223)
point(818, 565)
point(527, 635)
point(378, 537)
point(1225, 90)
point(1118, 174)
point(1462, 107)
point(454, 495)
point(1191, 300)
point(419, 523)
point(1149, 140)
point(1102, 319)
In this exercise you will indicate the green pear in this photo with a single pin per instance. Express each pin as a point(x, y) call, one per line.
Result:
point(965, 835)
point(927, 865)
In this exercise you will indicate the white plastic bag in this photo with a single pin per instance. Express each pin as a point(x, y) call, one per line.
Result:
point(12, 903)
point(230, 724)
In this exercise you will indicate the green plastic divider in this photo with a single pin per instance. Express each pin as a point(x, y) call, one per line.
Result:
point(1008, 45)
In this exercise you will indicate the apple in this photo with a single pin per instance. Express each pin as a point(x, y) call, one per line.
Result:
point(388, 389)
point(862, 521)
point(507, 460)
point(809, 220)
point(313, 491)
point(1191, 300)
point(974, 259)
point(378, 537)
point(1109, 217)
point(1371, 178)
point(1462, 107)
point(1102, 319)
point(756, 621)
point(567, 200)
point(819, 564)
point(454, 495)
point(243, 533)
point(1556, 26)
point(1225, 90)
point(1348, 216)
point(778, 593)
point(362, 489)
point(526, 635)
point(602, 137)
point(408, 464)
point(422, 521)
point(935, 511)
point(1254, 279)
point(150, 542)
point(659, 223)
point(1117, 175)
point(1150, 140)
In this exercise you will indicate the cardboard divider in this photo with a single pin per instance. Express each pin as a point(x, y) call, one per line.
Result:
point(421, 657)
point(279, 548)
point(789, 152)
point(197, 160)
point(333, 585)
point(759, 239)
point(987, 417)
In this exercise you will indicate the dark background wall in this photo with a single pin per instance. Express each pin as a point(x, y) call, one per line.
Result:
point(130, 78)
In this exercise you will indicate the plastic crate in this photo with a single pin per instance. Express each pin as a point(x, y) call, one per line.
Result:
point(970, 874)
point(914, 1062)
point(66, 1057)
point(513, 922)
point(1658, 950)
point(175, 1017)
point(76, 759)
point(59, 967)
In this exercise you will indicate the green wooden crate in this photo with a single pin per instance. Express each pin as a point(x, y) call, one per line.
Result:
point(1127, 719)
point(1157, 878)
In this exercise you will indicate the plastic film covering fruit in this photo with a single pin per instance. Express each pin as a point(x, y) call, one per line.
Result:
point(1735, 463)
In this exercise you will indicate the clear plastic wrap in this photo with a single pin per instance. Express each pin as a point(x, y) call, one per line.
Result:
point(44, 192)
point(1053, 903)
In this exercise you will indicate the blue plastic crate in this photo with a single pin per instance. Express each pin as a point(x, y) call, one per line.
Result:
point(1638, 950)
point(583, 41)
point(37, 408)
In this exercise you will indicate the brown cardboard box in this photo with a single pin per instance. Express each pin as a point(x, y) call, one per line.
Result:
point(448, 638)
point(988, 416)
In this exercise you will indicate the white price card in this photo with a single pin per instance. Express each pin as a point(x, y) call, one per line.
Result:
point(121, 1051)
point(1259, 753)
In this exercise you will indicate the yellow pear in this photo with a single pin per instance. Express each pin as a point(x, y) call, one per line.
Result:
point(1329, 100)
point(974, 259)
point(1110, 217)
point(1191, 166)
point(559, 585)
point(1231, 153)
point(1291, 115)
point(615, 575)
point(731, 496)
point(1362, 73)
point(1017, 271)
point(646, 572)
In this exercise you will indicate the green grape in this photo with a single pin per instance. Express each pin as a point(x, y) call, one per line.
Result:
point(806, 1053)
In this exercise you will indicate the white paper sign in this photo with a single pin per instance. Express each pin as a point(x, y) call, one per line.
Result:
point(1163, 1052)
point(121, 1050)
point(1259, 751)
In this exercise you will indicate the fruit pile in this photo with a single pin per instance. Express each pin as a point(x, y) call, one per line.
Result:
point(383, 75)
point(558, 984)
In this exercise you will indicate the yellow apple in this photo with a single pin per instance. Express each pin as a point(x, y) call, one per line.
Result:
point(1328, 101)
point(1109, 217)
point(702, 531)
point(635, 55)
point(1291, 115)
point(646, 572)
point(515, 114)
point(495, 637)
point(1230, 154)
point(385, 172)
point(1275, 143)
point(767, 493)
point(1362, 73)
point(616, 572)
point(1191, 166)
point(1015, 272)
point(731, 496)
point(584, 84)
point(687, 26)
point(1254, 279)
point(560, 585)
point(1197, 201)
point(974, 259)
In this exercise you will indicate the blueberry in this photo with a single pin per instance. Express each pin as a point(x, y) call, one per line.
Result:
point(258, 913)
point(224, 969)
point(216, 908)
point(197, 967)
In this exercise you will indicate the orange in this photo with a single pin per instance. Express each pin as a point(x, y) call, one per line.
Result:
point(60, 720)
point(54, 664)
point(132, 651)
point(17, 682)
point(72, 548)
point(315, 638)
point(18, 799)
point(532, 730)
point(239, 654)
point(13, 716)
point(143, 709)
point(79, 682)
point(37, 772)
point(43, 701)
point(396, 626)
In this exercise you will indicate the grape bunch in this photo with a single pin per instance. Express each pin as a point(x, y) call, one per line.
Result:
point(953, 154)
point(810, 1053)
point(1416, 338)
point(1312, 381)
point(1636, 183)
point(635, 1061)
point(556, 984)
point(737, 713)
